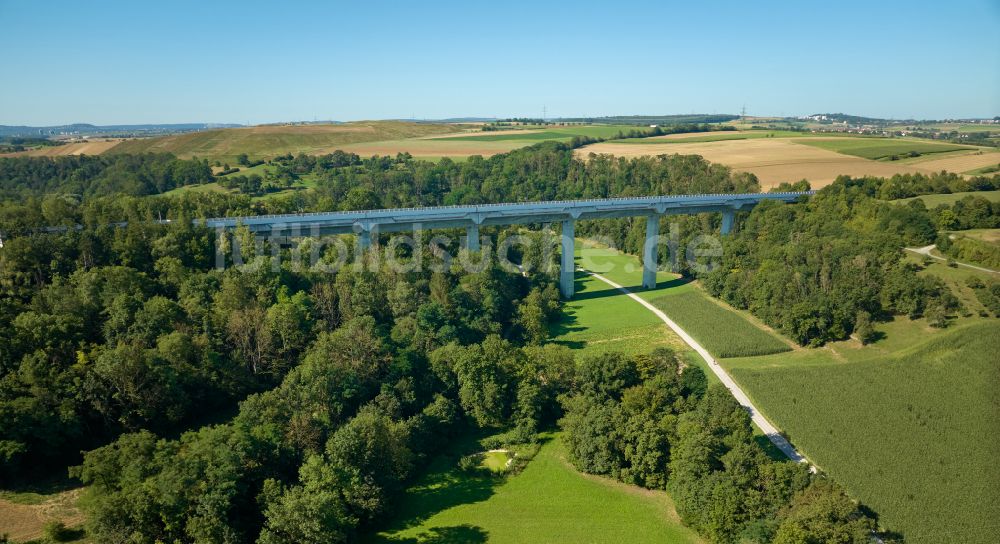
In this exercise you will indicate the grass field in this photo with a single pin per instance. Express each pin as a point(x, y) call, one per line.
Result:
point(908, 427)
point(955, 278)
point(599, 320)
point(272, 140)
point(880, 148)
point(548, 502)
point(720, 330)
point(990, 236)
point(935, 200)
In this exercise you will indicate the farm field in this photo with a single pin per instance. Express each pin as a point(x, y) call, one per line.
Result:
point(460, 145)
point(484, 143)
point(934, 200)
point(967, 162)
point(881, 148)
point(921, 402)
point(548, 502)
point(721, 331)
point(89, 147)
point(772, 160)
point(425, 148)
point(959, 127)
point(562, 133)
point(722, 135)
point(272, 140)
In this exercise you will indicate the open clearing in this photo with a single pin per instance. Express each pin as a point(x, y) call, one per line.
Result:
point(272, 140)
point(23, 515)
point(772, 160)
point(548, 502)
point(990, 236)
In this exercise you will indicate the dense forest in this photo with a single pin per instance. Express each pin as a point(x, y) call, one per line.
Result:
point(310, 398)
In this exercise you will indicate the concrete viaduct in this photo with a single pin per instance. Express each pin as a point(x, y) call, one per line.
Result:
point(369, 222)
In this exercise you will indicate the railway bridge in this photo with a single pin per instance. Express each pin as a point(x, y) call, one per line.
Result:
point(367, 223)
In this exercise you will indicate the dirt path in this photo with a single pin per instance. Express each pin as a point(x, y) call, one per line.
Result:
point(769, 430)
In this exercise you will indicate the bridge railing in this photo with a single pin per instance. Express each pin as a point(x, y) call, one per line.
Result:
point(472, 208)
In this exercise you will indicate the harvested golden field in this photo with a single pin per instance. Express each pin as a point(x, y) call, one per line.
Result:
point(959, 163)
point(772, 160)
point(89, 147)
point(23, 516)
point(271, 140)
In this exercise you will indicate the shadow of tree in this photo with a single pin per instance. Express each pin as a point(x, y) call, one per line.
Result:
point(769, 448)
point(459, 534)
point(442, 486)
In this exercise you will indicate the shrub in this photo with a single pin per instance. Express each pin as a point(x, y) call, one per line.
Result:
point(471, 464)
point(57, 531)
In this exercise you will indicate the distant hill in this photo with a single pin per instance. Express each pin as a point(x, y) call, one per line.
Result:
point(85, 129)
point(653, 119)
point(268, 141)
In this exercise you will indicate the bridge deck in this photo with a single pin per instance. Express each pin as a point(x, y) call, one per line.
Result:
point(399, 219)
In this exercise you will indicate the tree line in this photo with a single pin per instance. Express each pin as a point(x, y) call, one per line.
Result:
point(89, 175)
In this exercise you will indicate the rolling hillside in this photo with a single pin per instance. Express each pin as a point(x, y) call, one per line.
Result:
point(272, 140)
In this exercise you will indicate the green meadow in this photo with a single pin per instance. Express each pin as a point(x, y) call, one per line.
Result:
point(549, 501)
point(880, 148)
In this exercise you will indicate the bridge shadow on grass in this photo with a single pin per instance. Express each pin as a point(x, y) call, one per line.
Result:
point(612, 292)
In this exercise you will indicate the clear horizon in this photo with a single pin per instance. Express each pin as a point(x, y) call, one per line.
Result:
point(249, 63)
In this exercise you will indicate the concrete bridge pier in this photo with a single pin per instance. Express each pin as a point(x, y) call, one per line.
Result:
point(567, 268)
point(649, 252)
point(364, 240)
point(728, 217)
point(364, 233)
point(472, 237)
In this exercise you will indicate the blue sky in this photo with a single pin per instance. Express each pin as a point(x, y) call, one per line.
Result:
point(143, 62)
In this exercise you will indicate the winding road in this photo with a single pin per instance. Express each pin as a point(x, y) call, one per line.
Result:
point(768, 429)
